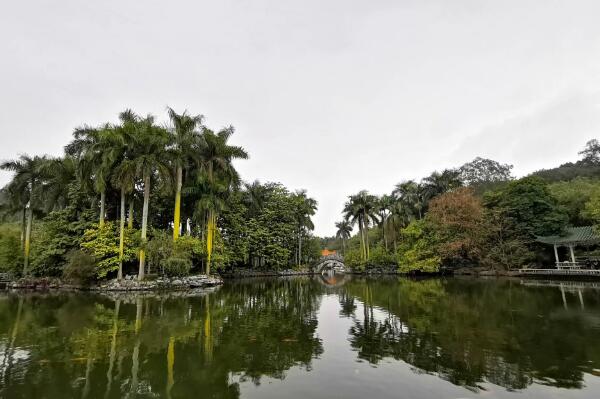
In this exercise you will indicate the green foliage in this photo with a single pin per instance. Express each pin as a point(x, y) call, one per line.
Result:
point(354, 259)
point(103, 244)
point(574, 196)
point(529, 206)
point(80, 267)
point(176, 267)
point(173, 258)
point(415, 253)
point(56, 235)
point(11, 254)
point(380, 257)
point(260, 228)
point(481, 171)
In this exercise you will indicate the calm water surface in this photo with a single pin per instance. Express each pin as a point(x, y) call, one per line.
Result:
point(308, 338)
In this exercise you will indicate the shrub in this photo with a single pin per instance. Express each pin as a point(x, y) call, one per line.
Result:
point(379, 257)
point(176, 267)
point(103, 245)
point(80, 267)
point(11, 257)
point(167, 255)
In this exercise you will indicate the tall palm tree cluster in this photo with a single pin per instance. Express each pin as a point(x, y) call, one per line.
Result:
point(391, 213)
point(120, 166)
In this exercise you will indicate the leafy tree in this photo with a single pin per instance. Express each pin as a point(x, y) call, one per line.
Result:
point(529, 206)
point(101, 243)
point(416, 250)
point(456, 218)
point(574, 197)
point(591, 152)
point(482, 171)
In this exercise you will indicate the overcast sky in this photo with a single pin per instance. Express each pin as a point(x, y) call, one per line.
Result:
point(333, 96)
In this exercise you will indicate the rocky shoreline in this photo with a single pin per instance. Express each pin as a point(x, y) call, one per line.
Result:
point(127, 284)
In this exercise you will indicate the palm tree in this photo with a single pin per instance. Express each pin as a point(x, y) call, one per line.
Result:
point(383, 205)
point(411, 194)
point(360, 209)
point(218, 175)
point(124, 177)
point(95, 165)
point(438, 183)
point(255, 196)
point(59, 174)
point(26, 184)
point(344, 230)
point(400, 216)
point(209, 206)
point(185, 134)
point(14, 200)
point(148, 146)
point(305, 208)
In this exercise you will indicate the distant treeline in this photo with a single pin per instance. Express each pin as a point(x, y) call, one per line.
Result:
point(474, 215)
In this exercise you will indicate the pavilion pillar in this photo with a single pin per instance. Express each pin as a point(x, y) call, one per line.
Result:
point(556, 253)
point(564, 298)
point(572, 254)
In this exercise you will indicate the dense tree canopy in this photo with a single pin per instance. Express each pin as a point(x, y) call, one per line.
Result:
point(118, 189)
point(494, 222)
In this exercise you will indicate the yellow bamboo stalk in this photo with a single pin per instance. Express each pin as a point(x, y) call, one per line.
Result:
point(177, 216)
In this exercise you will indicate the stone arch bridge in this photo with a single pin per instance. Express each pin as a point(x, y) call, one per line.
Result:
point(333, 263)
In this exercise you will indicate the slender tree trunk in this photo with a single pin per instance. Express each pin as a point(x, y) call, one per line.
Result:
point(299, 248)
point(208, 332)
point(88, 373)
point(142, 269)
point(177, 216)
point(7, 362)
point(384, 237)
point(135, 367)
point(121, 235)
point(343, 247)
point(367, 236)
point(130, 221)
point(23, 227)
point(170, 364)
point(209, 240)
point(102, 207)
point(362, 240)
point(27, 240)
point(113, 348)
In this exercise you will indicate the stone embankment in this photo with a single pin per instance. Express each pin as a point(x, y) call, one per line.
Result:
point(130, 283)
point(242, 273)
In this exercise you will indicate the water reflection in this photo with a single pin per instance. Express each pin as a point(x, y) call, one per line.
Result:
point(470, 333)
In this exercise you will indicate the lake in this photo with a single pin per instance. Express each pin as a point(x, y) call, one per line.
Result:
point(308, 337)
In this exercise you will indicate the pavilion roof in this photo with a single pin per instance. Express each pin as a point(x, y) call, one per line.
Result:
point(573, 236)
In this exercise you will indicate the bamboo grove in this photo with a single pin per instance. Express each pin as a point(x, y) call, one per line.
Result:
point(137, 197)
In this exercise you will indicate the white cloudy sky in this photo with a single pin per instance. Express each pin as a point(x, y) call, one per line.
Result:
point(332, 95)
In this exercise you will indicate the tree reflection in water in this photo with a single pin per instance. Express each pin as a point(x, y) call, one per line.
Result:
point(176, 347)
point(472, 331)
point(468, 332)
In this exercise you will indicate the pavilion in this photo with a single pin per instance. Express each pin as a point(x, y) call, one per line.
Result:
point(574, 236)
